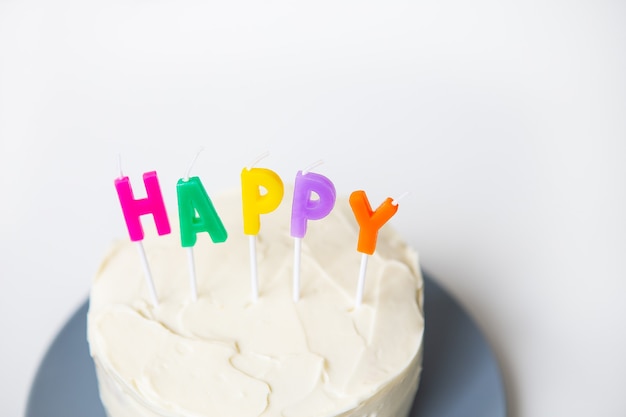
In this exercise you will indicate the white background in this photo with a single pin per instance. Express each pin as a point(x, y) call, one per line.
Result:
point(505, 122)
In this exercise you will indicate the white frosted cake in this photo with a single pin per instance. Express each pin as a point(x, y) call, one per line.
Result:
point(226, 356)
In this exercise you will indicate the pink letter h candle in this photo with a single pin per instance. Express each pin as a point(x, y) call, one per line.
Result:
point(133, 208)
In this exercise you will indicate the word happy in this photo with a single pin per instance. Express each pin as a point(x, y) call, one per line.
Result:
point(262, 191)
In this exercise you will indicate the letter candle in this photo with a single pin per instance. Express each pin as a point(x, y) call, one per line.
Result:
point(304, 208)
point(196, 214)
point(369, 223)
point(254, 203)
point(133, 209)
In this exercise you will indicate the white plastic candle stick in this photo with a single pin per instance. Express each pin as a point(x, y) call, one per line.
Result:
point(254, 279)
point(297, 249)
point(192, 274)
point(361, 284)
point(147, 273)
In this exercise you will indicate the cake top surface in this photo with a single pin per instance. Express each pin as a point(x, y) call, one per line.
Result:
point(226, 355)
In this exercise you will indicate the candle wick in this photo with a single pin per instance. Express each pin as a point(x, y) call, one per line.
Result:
point(119, 165)
point(257, 160)
point(313, 165)
point(186, 178)
point(397, 200)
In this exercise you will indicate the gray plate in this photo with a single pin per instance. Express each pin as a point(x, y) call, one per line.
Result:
point(460, 378)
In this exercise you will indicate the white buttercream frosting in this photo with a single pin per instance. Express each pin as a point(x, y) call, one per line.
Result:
point(226, 356)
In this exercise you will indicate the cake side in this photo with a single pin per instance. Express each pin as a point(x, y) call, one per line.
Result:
point(225, 355)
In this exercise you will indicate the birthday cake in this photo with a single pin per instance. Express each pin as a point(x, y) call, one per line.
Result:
point(227, 355)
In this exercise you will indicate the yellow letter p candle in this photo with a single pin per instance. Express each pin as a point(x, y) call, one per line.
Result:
point(254, 202)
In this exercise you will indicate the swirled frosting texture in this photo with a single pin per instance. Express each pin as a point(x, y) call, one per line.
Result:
point(225, 356)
